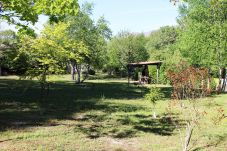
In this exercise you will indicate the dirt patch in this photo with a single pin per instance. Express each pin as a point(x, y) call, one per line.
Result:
point(121, 144)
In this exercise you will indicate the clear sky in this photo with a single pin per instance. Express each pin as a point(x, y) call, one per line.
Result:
point(132, 15)
point(135, 15)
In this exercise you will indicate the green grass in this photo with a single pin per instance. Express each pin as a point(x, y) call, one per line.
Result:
point(98, 115)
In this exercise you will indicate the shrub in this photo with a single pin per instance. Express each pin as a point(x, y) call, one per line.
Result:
point(213, 84)
point(189, 83)
point(153, 96)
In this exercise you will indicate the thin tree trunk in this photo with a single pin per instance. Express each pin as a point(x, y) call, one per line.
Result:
point(222, 80)
point(0, 71)
point(72, 65)
point(78, 69)
point(86, 75)
point(224, 85)
point(189, 131)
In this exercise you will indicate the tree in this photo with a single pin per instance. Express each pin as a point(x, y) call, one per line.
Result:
point(190, 84)
point(161, 41)
point(49, 53)
point(161, 45)
point(126, 48)
point(21, 12)
point(93, 35)
point(203, 33)
point(153, 96)
point(8, 44)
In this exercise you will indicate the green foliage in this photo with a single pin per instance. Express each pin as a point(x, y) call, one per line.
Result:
point(50, 52)
point(93, 35)
point(154, 95)
point(126, 48)
point(160, 42)
point(8, 45)
point(161, 45)
point(203, 33)
point(213, 84)
point(20, 11)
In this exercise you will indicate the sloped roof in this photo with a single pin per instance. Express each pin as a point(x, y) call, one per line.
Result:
point(146, 63)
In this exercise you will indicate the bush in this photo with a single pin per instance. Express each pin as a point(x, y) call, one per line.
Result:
point(213, 84)
point(189, 83)
point(154, 95)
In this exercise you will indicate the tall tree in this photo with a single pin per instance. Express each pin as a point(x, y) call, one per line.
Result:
point(49, 53)
point(161, 46)
point(160, 42)
point(126, 48)
point(204, 31)
point(8, 44)
point(93, 34)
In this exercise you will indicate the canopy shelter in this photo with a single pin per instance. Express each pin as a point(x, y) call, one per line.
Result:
point(144, 79)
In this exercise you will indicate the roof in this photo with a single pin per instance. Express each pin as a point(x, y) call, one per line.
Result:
point(145, 63)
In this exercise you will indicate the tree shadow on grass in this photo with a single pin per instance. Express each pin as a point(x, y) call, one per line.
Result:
point(161, 126)
point(21, 107)
point(126, 126)
point(29, 91)
point(21, 104)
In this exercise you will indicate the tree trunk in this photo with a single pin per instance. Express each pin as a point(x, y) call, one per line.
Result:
point(222, 80)
point(189, 130)
point(78, 69)
point(154, 115)
point(86, 75)
point(0, 71)
point(72, 65)
point(224, 85)
point(109, 72)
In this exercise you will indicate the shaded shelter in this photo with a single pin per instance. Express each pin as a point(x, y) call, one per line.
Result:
point(144, 79)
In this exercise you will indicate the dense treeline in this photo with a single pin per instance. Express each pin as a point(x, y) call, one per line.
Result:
point(199, 38)
point(77, 42)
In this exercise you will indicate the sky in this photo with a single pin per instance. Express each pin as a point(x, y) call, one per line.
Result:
point(131, 15)
point(135, 15)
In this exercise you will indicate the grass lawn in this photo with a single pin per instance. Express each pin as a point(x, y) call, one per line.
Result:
point(100, 115)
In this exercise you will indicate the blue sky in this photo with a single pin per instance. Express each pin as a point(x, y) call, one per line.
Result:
point(132, 15)
point(135, 15)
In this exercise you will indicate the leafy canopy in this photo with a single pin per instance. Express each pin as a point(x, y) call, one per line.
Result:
point(93, 34)
point(49, 53)
point(126, 48)
point(203, 32)
point(22, 12)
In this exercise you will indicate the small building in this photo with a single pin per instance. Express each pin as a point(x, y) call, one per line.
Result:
point(144, 78)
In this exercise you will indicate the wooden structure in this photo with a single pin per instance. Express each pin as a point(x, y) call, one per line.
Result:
point(145, 72)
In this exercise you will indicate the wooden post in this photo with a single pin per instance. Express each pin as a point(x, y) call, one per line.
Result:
point(158, 67)
point(128, 75)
